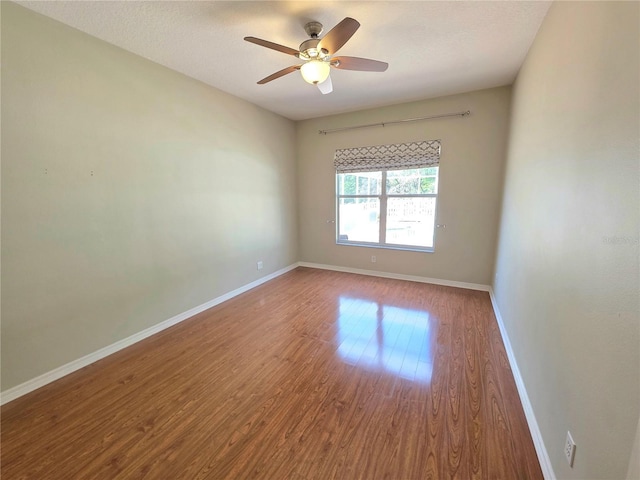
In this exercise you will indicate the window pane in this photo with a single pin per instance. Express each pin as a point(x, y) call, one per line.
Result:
point(346, 184)
point(410, 221)
point(359, 220)
point(412, 181)
point(360, 183)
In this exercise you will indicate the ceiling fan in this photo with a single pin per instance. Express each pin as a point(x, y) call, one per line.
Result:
point(317, 55)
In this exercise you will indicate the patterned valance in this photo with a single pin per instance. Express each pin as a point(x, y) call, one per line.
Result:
point(388, 157)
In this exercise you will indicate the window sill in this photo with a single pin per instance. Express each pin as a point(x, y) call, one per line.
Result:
point(405, 248)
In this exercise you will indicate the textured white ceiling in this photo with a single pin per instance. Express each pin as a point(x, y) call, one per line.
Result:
point(433, 48)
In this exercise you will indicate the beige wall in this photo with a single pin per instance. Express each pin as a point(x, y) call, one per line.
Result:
point(130, 193)
point(567, 264)
point(633, 473)
point(471, 172)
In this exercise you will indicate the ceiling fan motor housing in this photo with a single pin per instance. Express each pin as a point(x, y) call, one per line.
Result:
point(309, 50)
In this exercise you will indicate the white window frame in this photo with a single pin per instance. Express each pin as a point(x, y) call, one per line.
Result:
point(382, 198)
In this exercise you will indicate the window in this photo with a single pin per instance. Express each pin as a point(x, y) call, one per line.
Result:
point(380, 203)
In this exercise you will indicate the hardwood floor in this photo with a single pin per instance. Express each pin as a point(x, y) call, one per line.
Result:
point(314, 375)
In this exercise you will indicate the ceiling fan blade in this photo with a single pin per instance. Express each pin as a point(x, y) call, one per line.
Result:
point(356, 63)
point(278, 74)
point(273, 46)
point(339, 35)
point(326, 86)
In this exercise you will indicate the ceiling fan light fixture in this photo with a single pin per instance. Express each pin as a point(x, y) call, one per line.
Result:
point(315, 71)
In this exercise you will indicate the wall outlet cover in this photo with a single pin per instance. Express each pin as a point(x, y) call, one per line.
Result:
point(570, 449)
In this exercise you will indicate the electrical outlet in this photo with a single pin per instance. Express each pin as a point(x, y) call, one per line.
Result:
point(373, 259)
point(569, 449)
point(260, 265)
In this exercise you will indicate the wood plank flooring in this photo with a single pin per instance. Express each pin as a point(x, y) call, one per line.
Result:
point(314, 375)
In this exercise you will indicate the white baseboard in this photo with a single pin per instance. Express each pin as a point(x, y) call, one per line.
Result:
point(55, 374)
point(536, 435)
point(398, 276)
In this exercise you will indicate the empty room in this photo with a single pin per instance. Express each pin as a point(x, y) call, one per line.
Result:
point(320, 240)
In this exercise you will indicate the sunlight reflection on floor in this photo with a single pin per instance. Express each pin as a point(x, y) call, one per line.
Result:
point(384, 337)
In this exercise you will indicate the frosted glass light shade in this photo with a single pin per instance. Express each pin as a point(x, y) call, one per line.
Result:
point(315, 71)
